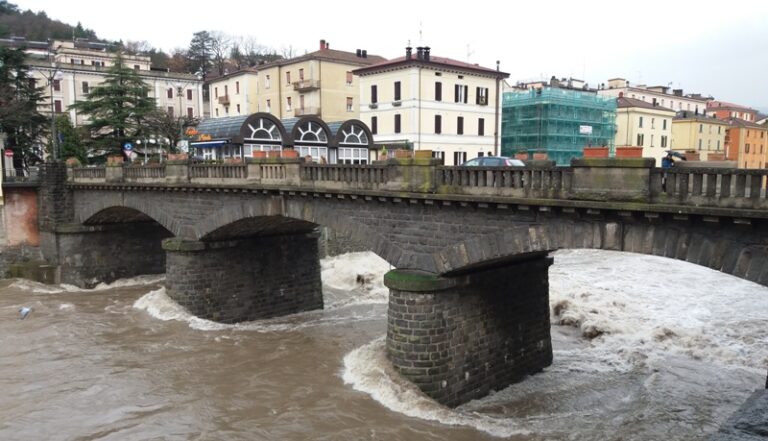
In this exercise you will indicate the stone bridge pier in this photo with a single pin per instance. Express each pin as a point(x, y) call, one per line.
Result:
point(232, 281)
point(457, 338)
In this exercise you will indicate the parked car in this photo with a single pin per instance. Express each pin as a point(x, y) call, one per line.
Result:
point(493, 161)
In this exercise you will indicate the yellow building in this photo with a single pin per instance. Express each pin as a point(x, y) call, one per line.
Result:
point(642, 124)
point(700, 135)
point(68, 70)
point(317, 84)
point(433, 103)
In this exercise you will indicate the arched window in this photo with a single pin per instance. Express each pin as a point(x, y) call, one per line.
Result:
point(310, 132)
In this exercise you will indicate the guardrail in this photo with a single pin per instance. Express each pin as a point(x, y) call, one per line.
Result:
point(607, 181)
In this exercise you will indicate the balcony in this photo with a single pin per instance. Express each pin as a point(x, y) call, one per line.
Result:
point(306, 85)
point(224, 100)
point(314, 111)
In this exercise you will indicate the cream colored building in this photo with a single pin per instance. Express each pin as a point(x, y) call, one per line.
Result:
point(699, 134)
point(644, 125)
point(71, 69)
point(433, 103)
point(658, 95)
point(318, 84)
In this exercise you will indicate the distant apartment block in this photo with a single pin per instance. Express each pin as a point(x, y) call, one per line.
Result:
point(642, 124)
point(68, 70)
point(559, 118)
point(700, 135)
point(724, 110)
point(425, 102)
point(319, 84)
point(745, 143)
point(662, 96)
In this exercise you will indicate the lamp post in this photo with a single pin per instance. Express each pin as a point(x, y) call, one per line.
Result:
point(52, 76)
point(180, 87)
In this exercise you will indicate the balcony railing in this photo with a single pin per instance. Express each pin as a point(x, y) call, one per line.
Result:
point(224, 100)
point(306, 85)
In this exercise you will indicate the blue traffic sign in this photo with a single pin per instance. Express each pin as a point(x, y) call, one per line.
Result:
point(127, 146)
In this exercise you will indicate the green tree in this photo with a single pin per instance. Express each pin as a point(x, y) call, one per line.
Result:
point(71, 144)
point(200, 52)
point(20, 121)
point(116, 108)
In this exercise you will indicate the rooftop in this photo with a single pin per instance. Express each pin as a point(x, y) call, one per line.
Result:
point(423, 57)
point(624, 102)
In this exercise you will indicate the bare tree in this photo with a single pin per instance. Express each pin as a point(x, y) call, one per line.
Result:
point(135, 47)
point(288, 52)
point(220, 47)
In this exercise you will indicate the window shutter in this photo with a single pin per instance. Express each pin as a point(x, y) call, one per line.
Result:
point(438, 91)
point(456, 93)
point(466, 92)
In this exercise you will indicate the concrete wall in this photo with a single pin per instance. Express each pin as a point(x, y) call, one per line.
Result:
point(461, 342)
point(20, 217)
point(245, 280)
point(334, 242)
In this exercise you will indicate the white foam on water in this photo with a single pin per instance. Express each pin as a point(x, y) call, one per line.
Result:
point(41, 288)
point(636, 309)
point(359, 275)
point(367, 370)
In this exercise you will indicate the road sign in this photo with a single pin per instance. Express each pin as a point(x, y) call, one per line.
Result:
point(128, 146)
point(9, 153)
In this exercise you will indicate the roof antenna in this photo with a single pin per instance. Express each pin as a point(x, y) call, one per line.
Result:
point(469, 53)
point(421, 39)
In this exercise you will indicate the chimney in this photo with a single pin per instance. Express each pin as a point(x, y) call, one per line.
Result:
point(408, 50)
point(654, 102)
point(419, 53)
point(327, 45)
point(358, 53)
point(365, 53)
point(426, 53)
point(322, 45)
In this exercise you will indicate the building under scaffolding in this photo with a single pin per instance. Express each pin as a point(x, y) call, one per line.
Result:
point(559, 122)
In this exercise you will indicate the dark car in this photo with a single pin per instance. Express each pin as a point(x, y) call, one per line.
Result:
point(493, 161)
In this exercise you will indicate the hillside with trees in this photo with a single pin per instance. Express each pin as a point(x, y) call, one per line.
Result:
point(37, 26)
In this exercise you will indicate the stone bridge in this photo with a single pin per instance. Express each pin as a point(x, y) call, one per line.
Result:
point(468, 306)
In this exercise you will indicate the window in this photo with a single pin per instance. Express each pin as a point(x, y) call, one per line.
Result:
point(215, 92)
point(301, 74)
point(217, 111)
point(459, 158)
point(438, 91)
point(460, 125)
point(701, 128)
point(237, 88)
point(169, 93)
point(397, 91)
point(349, 77)
point(438, 155)
point(651, 139)
point(746, 147)
point(718, 130)
point(350, 106)
point(481, 126)
point(288, 78)
point(438, 124)
point(269, 106)
point(226, 90)
point(301, 102)
point(189, 94)
point(664, 140)
point(349, 155)
point(640, 139)
point(85, 87)
point(718, 144)
point(374, 94)
point(460, 93)
point(664, 125)
point(238, 109)
point(170, 110)
point(699, 144)
point(288, 104)
point(57, 85)
point(397, 123)
point(266, 81)
point(653, 123)
point(641, 122)
point(57, 106)
point(136, 67)
point(374, 124)
point(481, 96)
point(190, 112)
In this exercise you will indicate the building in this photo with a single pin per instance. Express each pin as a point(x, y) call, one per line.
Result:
point(424, 102)
point(69, 69)
point(557, 121)
point(699, 136)
point(745, 143)
point(724, 110)
point(658, 95)
point(319, 84)
point(644, 125)
point(246, 136)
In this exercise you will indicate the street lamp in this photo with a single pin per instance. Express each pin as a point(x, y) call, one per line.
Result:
point(51, 76)
point(180, 87)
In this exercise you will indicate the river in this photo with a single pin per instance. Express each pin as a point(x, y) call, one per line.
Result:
point(645, 348)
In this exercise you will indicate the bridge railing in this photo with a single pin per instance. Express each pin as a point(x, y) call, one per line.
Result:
point(217, 173)
point(89, 174)
point(144, 173)
point(341, 176)
point(711, 187)
point(537, 182)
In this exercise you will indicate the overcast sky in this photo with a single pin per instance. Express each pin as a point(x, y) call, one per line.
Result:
point(715, 48)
